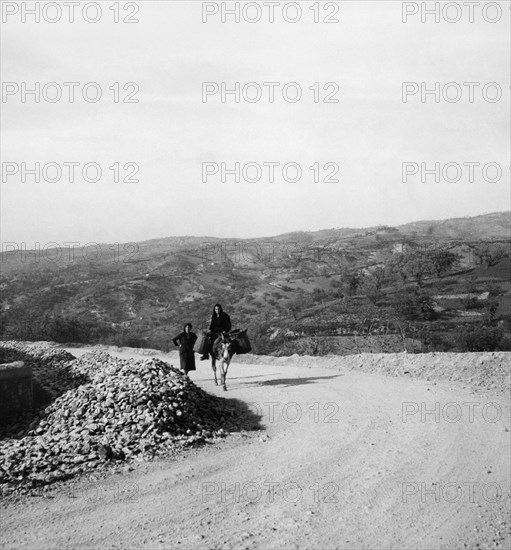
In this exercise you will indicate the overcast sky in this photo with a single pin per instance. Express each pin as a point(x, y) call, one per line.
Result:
point(171, 132)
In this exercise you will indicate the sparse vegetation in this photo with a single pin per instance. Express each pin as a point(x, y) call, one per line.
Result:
point(390, 286)
point(484, 338)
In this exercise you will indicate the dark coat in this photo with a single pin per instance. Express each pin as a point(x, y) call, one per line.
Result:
point(186, 354)
point(220, 323)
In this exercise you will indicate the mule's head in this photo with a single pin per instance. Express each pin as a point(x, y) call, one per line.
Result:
point(226, 350)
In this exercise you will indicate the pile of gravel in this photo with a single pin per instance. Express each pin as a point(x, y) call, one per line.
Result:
point(50, 368)
point(124, 409)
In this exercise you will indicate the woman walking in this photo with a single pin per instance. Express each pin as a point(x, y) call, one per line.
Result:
point(185, 341)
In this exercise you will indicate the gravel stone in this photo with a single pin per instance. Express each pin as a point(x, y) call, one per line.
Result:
point(103, 409)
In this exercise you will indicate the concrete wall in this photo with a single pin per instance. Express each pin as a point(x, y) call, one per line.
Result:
point(16, 396)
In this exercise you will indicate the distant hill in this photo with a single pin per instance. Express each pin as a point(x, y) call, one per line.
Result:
point(297, 284)
point(494, 226)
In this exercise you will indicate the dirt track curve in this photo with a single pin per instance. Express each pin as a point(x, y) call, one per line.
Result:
point(336, 466)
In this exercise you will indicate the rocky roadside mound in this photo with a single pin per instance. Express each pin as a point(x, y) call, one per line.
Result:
point(107, 409)
point(482, 371)
point(51, 373)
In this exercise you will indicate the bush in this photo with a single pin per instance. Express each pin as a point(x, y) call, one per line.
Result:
point(318, 294)
point(435, 341)
point(471, 302)
point(415, 305)
point(505, 343)
point(73, 329)
point(485, 338)
point(494, 290)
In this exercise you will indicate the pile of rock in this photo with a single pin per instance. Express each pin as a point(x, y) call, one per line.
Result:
point(50, 367)
point(126, 408)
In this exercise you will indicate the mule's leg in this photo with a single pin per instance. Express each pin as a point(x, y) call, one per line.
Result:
point(223, 373)
point(213, 366)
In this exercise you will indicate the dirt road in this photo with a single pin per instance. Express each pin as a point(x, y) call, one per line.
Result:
point(345, 460)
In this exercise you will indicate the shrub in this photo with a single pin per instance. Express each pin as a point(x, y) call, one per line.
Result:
point(484, 338)
point(505, 343)
point(494, 289)
point(471, 302)
point(415, 305)
point(435, 341)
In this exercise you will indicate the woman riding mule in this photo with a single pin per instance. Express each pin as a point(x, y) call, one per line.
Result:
point(220, 322)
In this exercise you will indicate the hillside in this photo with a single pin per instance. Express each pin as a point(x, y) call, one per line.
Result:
point(341, 290)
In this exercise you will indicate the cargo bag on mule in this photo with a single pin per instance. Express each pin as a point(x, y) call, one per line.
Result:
point(242, 341)
point(202, 343)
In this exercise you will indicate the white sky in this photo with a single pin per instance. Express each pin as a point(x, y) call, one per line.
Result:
point(171, 132)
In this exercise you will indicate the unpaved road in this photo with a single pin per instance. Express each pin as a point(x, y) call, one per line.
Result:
point(336, 466)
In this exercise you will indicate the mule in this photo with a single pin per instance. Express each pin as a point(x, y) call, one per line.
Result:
point(223, 353)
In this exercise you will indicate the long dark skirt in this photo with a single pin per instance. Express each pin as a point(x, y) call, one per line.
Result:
point(187, 361)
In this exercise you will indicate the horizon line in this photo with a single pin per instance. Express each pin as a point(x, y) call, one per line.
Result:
point(3, 243)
